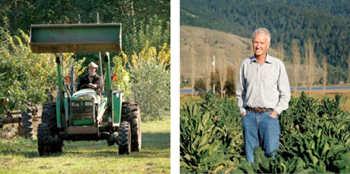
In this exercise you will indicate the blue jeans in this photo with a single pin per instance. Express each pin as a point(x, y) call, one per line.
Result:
point(268, 128)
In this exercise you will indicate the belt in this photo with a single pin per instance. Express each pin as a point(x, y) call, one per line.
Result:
point(259, 110)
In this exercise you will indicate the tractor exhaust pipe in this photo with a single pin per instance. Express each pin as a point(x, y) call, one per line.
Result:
point(72, 80)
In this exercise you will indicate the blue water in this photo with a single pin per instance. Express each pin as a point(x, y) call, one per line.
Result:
point(188, 91)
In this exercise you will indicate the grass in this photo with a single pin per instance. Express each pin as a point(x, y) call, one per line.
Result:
point(20, 155)
point(187, 98)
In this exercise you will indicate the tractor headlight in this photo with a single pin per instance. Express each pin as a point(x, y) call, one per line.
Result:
point(75, 104)
point(88, 103)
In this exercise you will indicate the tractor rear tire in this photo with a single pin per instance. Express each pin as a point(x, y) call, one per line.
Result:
point(124, 138)
point(131, 113)
point(49, 117)
point(44, 148)
point(27, 124)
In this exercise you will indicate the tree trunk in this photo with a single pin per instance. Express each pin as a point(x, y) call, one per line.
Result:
point(193, 68)
point(296, 63)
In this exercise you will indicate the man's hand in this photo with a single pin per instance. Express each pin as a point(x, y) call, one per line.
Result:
point(273, 114)
point(243, 114)
point(91, 85)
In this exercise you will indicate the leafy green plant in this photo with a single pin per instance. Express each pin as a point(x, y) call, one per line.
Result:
point(209, 138)
point(201, 148)
point(262, 164)
point(332, 107)
point(123, 78)
point(314, 138)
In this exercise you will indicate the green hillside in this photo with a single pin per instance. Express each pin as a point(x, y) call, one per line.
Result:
point(326, 23)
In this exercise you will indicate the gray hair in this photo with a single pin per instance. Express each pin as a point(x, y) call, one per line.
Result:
point(262, 31)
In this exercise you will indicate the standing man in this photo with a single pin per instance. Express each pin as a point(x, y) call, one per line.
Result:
point(262, 93)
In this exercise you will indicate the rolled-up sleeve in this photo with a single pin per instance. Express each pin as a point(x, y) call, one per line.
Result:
point(284, 90)
point(99, 82)
point(240, 89)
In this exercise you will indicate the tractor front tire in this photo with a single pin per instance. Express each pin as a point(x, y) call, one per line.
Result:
point(44, 148)
point(124, 138)
point(131, 113)
point(50, 118)
point(57, 147)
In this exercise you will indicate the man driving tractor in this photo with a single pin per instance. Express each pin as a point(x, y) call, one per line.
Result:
point(92, 80)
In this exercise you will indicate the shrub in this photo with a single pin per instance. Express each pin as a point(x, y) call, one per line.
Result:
point(149, 71)
point(152, 89)
point(199, 84)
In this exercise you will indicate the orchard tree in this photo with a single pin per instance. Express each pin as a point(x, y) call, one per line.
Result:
point(150, 75)
point(26, 78)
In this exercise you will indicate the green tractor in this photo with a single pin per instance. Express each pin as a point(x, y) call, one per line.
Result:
point(84, 115)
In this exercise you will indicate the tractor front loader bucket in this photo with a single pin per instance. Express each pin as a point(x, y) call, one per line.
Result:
point(62, 38)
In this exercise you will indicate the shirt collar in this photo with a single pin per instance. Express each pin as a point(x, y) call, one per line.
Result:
point(267, 60)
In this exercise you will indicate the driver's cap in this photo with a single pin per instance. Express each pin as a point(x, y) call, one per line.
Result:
point(92, 65)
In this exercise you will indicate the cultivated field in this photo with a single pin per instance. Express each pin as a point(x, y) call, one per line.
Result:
point(315, 137)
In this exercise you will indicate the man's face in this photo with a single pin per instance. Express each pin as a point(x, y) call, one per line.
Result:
point(92, 71)
point(260, 44)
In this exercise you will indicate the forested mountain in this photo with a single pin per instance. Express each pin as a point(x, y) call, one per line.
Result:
point(326, 23)
point(142, 21)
